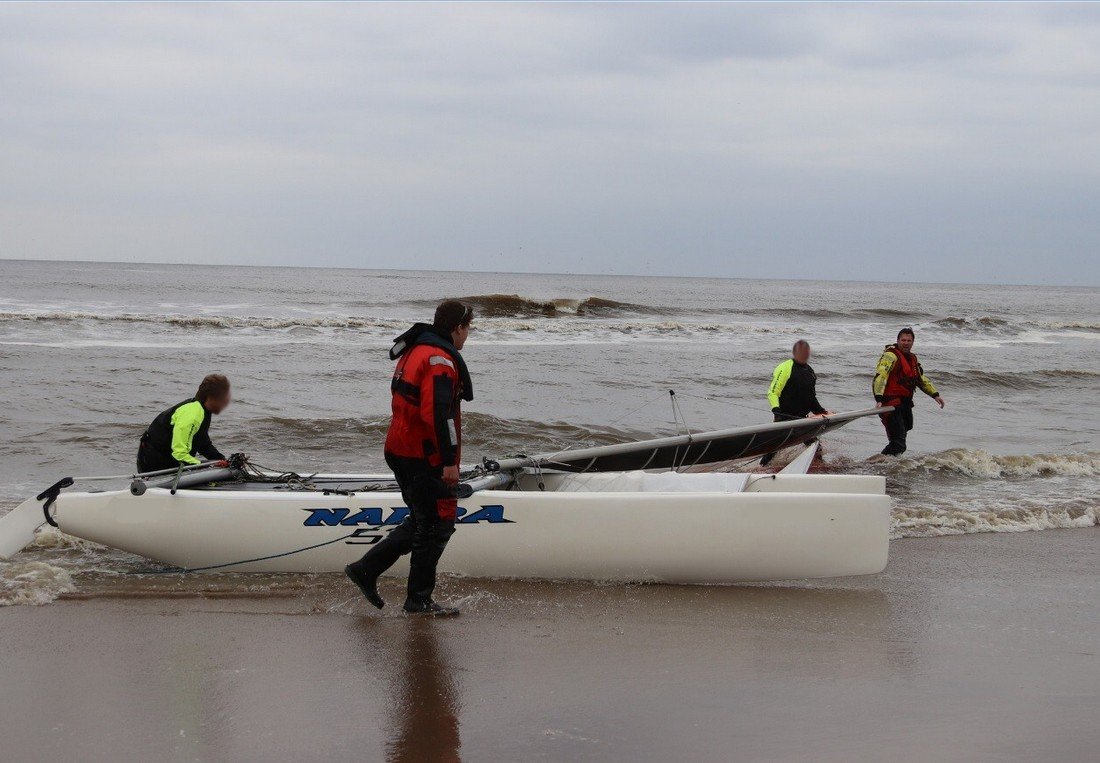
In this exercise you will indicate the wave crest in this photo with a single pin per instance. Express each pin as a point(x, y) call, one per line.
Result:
point(980, 464)
point(930, 522)
point(983, 323)
point(33, 583)
point(516, 306)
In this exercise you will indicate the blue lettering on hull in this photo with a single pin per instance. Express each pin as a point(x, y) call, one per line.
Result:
point(377, 517)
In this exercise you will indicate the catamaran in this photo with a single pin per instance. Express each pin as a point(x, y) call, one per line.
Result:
point(662, 510)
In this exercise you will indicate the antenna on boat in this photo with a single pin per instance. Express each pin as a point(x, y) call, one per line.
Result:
point(681, 421)
point(678, 417)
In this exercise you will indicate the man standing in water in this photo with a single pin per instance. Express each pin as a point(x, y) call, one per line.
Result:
point(897, 376)
point(423, 448)
point(793, 391)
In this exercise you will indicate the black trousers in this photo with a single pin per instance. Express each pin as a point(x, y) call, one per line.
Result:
point(150, 460)
point(898, 423)
point(423, 533)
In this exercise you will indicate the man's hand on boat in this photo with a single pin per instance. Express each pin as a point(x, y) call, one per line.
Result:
point(450, 475)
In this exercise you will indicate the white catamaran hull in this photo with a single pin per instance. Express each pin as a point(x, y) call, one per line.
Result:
point(688, 528)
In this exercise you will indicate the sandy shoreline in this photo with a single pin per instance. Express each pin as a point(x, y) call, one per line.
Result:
point(969, 647)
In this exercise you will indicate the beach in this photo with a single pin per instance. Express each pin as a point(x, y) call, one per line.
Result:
point(980, 641)
point(974, 647)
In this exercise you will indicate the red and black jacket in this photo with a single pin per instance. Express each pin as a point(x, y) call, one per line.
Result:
point(429, 384)
point(898, 375)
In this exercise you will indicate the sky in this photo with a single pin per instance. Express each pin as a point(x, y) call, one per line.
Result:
point(923, 142)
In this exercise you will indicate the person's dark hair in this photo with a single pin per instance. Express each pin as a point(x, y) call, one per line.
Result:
point(908, 331)
point(451, 314)
point(214, 385)
point(798, 344)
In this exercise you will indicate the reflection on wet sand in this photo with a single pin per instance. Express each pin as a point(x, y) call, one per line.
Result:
point(420, 681)
point(980, 646)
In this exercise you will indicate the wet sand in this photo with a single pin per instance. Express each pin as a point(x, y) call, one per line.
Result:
point(967, 648)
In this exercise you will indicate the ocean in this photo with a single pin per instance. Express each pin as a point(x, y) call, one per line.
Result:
point(979, 641)
point(91, 352)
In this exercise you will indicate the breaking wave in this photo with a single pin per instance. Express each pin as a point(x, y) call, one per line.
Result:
point(33, 583)
point(982, 465)
point(515, 306)
point(961, 491)
point(930, 522)
point(985, 323)
point(1070, 326)
point(590, 324)
point(594, 319)
point(592, 330)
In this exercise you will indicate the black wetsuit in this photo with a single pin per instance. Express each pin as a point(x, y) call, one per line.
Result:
point(795, 387)
point(155, 448)
point(430, 375)
point(793, 394)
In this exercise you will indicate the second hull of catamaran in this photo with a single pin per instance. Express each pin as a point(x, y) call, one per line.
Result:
point(625, 526)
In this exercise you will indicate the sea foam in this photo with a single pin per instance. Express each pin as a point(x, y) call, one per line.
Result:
point(32, 583)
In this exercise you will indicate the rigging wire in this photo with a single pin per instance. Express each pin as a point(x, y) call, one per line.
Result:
point(640, 407)
point(677, 413)
point(679, 418)
point(249, 561)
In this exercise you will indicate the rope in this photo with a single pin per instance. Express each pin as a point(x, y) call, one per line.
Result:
point(640, 407)
point(257, 559)
point(723, 401)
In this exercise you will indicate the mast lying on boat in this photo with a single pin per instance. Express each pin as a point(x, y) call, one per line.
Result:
point(677, 452)
point(689, 450)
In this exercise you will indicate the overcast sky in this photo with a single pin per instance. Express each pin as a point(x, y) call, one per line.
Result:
point(923, 142)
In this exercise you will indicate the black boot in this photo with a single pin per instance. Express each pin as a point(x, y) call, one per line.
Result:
point(429, 608)
point(367, 583)
point(364, 573)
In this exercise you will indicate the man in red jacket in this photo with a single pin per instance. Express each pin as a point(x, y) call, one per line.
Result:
point(423, 448)
point(897, 377)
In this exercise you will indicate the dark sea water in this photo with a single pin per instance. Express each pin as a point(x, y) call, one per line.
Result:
point(90, 353)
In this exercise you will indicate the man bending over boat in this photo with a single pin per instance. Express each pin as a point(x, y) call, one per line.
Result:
point(182, 431)
point(793, 391)
point(423, 448)
point(897, 377)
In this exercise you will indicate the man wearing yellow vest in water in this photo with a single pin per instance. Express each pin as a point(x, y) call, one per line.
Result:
point(897, 377)
point(793, 391)
point(183, 430)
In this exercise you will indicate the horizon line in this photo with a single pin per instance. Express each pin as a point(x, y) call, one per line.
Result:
point(543, 272)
